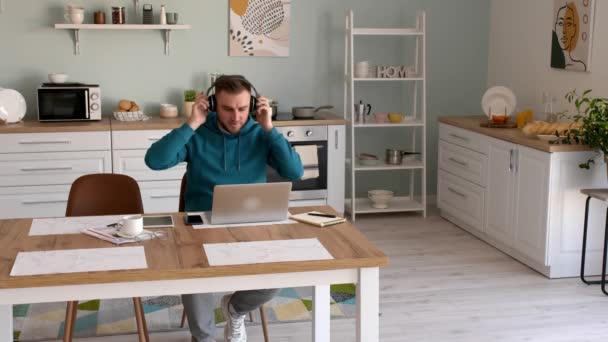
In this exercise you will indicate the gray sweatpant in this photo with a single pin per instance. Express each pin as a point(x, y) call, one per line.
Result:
point(201, 318)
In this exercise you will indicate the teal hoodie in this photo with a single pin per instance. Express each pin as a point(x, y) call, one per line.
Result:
point(217, 157)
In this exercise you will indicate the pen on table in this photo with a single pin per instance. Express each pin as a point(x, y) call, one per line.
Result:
point(322, 215)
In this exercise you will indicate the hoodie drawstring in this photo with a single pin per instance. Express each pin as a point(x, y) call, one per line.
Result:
point(224, 146)
point(238, 153)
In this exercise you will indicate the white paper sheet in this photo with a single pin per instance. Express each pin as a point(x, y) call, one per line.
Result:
point(79, 260)
point(70, 225)
point(258, 252)
point(207, 224)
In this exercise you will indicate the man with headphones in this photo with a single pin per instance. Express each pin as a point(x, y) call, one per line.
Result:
point(222, 144)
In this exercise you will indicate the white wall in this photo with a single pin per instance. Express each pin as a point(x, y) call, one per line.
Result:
point(520, 51)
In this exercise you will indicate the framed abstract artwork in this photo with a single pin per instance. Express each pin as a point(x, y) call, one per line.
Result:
point(572, 34)
point(259, 28)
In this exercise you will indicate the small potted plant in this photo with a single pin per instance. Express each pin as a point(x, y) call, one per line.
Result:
point(189, 98)
point(592, 114)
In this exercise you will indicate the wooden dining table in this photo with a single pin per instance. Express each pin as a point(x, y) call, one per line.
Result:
point(178, 264)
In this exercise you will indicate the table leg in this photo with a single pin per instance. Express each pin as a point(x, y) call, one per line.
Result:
point(368, 305)
point(6, 327)
point(604, 256)
point(320, 314)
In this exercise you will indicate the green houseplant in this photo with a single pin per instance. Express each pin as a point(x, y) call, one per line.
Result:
point(189, 98)
point(592, 114)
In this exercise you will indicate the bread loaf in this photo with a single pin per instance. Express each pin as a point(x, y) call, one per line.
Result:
point(125, 105)
point(549, 128)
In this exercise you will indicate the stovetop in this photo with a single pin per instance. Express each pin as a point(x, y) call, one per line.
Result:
point(285, 116)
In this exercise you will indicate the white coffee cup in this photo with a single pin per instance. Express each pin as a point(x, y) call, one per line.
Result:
point(74, 14)
point(362, 69)
point(132, 225)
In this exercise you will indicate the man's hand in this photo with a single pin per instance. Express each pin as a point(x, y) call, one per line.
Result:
point(200, 110)
point(264, 114)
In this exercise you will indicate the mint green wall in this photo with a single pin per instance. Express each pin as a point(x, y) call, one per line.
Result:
point(131, 64)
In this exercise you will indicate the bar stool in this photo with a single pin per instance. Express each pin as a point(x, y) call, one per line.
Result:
point(601, 195)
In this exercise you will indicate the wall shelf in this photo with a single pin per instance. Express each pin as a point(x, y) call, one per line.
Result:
point(77, 27)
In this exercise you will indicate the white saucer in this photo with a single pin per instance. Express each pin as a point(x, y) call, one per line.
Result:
point(121, 234)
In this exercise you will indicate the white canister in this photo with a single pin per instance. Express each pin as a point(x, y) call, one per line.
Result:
point(362, 69)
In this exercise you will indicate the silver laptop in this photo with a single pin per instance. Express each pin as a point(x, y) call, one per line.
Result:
point(250, 203)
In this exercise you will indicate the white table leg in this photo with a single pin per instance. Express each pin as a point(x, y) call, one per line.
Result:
point(6, 322)
point(320, 313)
point(368, 305)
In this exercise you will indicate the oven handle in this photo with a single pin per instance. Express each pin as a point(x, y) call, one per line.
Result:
point(336, 139)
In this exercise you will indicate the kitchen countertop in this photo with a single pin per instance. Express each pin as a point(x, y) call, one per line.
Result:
point(155, 122)
point(33, 126)
point(513, 135)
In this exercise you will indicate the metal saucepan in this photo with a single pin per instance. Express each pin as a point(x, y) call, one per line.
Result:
point(307, 112)
point(395, 157)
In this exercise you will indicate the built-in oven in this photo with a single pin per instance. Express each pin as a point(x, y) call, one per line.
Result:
point(310, 142)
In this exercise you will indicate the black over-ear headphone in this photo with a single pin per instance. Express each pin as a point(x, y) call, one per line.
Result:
point(253, 102)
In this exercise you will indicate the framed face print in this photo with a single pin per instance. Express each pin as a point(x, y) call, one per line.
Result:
point(572, 34)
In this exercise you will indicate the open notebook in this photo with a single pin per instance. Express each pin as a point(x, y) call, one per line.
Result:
point(317, 220)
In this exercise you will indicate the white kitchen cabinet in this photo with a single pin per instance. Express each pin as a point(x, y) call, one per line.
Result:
point(52, 168)
point(461, 199)
point(160, 190)
point(38, 169)
point(532, 170)
point(33, 201)
point(500, 191)
point(533, 208)
point(463, 163)
point(517, 198)
point(132, 163)
point(336, 147)
point(160, 196)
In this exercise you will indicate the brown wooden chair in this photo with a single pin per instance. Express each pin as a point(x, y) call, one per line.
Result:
point(104, 194)
point(182, 208)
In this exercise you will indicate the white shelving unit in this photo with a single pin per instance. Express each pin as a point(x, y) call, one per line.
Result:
point(413, 127)
point(77, 27)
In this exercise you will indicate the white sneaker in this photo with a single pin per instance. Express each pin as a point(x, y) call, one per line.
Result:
point(234, 330)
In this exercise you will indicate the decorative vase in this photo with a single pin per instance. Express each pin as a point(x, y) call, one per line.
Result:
point(187, 109)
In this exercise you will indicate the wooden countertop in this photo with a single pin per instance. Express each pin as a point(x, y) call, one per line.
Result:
point(155, 122)
point(513, 135)
point(34, 126)
point(181, 256)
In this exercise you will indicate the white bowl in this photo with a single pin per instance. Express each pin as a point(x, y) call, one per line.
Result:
point(58, 78)
point(380, 198)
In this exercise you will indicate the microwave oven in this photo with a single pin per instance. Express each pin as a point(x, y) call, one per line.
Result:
point(69, 103)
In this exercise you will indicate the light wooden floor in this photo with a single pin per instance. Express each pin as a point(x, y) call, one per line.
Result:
point(443, 284)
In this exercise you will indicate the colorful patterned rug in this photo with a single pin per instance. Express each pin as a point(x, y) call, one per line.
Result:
point(44, 321)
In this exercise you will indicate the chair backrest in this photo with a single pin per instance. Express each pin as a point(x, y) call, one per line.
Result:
point(182, 192)
point(104, 194)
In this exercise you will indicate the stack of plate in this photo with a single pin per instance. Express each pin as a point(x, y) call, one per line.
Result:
point(12, 106)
